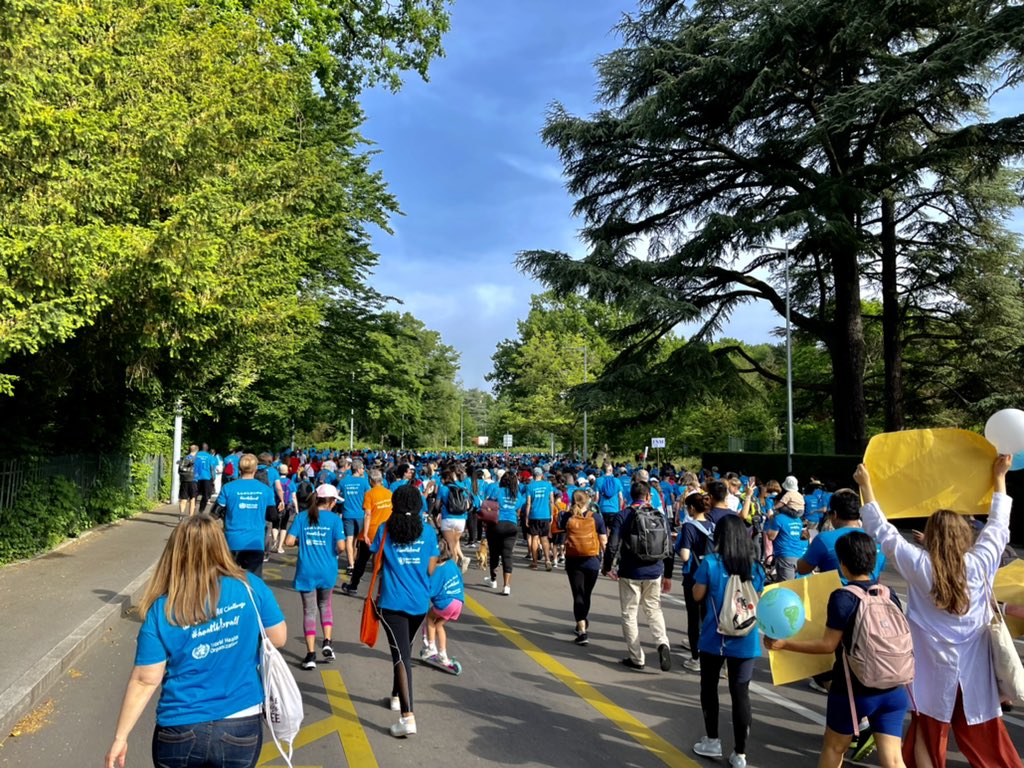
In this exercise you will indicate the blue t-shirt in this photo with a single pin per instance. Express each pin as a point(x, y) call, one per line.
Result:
point(789, 542)
point(246, 502)
point(821, 553)
point(711, 573)
point(509, 506)
point(608, 490)
point(317, 564)
point(695, 536)
point(656, 499)
point(326, 477)
point(353, 489)
point(446, 585)
point(405, 584)
point(204, 466)
point(231, 459)
point(443, 495)
point(540, 499)
point(213, 668)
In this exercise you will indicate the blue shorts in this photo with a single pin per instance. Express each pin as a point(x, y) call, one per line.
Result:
point(352, 525)
point(885, 711)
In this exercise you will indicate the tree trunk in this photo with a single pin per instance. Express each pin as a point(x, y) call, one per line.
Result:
point(846, 349)
point(892, 332)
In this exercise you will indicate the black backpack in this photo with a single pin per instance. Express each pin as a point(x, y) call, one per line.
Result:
point(187, 468)
point(648, 537)
point(263, 476)
point(458, 500)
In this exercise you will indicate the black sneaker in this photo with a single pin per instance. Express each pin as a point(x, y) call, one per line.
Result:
point(630, 664)
point(310, 661)
point(328, 651)
point(664, 658)
point(581, 639)
point(349, 590)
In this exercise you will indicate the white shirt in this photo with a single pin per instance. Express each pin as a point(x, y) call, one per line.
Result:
point(949, 651)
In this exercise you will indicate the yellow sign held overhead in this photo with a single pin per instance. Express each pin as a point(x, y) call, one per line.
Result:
point(1009, 588)
point(917, 472)
point(788, 666)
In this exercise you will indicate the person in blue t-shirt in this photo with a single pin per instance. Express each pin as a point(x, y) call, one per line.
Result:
point(353, 491)
point(884, 708)
point(610, 499)
point(789, 540)
point(204, 477)
point(844, 514)
point(540, 499)
point(247, 505)
point(501, 536)
point(320, 536)
point(408, 558)
point(447, 594)
point(734, 555)
point(692, 546)
point(201, 649)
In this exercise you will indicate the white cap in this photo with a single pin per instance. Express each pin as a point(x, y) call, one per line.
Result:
point(790, 484)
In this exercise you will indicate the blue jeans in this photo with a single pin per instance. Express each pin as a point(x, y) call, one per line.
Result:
point(234, 743)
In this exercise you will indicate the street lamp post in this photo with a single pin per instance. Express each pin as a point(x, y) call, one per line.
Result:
point(462, 426)
point(789, 365)
point(352, 417)
point(585, 454)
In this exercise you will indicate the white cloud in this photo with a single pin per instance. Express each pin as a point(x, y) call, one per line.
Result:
point(536, 169)
point(494, 300)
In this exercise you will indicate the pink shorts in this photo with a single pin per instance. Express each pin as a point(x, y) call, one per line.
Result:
point(451, 612)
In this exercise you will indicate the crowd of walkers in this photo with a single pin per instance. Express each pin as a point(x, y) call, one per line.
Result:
point(417, 518)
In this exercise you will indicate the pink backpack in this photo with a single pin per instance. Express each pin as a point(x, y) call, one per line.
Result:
point(881, 651)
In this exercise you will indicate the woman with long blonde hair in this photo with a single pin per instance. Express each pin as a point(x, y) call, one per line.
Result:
point(199, 642)
point(949, 583)
point(585, 540)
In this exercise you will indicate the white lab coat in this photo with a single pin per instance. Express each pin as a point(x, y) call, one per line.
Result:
point(949, 651)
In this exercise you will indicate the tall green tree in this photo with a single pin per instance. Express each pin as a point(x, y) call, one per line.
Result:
point(729, 127)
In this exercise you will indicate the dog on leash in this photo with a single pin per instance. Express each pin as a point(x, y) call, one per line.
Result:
point(481, 556)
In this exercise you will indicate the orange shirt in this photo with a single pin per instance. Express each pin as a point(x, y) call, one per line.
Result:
point(377, 504)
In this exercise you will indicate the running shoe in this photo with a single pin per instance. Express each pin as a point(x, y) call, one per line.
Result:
point(664, 658)
point(310, 661)
point(427, 651)
point(464, 564)
point(863, 745)
point(404, 727)
point(328, 651)
point(395, 704)
point(492, 583)
point(582, 639)
point(736, 760)
point(547, 564)
point(628, 663)
point(708, 747)
point(506, 591)
point(814, 685)
point(693, 665)
point(349, 590)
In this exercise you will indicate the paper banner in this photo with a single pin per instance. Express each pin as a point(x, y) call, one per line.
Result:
point(917, 472)
point(1009, 588)
point(787, 666)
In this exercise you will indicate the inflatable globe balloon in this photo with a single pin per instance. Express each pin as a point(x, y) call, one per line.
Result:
point(1018, 462)
point(1005, 430)
point(780, 613)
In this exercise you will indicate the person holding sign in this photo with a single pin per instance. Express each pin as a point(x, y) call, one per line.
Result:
point(949, 584)
point(884, 708)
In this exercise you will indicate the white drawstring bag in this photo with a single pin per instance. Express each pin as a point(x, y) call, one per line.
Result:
point(282, 700)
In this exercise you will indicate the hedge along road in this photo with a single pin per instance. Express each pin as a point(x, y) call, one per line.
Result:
point(528, 696)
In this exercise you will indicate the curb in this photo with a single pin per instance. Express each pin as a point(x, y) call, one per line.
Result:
point(30, 689)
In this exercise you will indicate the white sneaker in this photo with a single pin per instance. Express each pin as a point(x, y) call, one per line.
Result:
point(708, 747)
point(396, 704)
point(507, 590)
point(464, 564)
point(406, 726)
point(692, 664)
point(492, 583)
point(427, 651)
point(443, 658)
point(736, 760)
point(814, 685)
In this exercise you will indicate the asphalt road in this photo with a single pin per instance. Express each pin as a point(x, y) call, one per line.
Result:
point(528, 696)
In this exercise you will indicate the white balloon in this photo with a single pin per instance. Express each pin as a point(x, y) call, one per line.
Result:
point(1005, 430)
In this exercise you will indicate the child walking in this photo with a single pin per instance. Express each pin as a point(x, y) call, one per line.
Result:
point(447, 594)
point(320, 536)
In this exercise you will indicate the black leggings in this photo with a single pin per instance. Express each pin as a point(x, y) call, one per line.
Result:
point(362, 558)
point(740, 672)
point(695, 613)
point(501, 542)
point(581, 582)
point(401, 628)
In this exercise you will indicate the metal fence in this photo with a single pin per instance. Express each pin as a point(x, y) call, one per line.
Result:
point(803, 446)
point(84, 471)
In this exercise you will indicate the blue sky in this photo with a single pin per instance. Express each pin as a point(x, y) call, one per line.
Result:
point(462, 154)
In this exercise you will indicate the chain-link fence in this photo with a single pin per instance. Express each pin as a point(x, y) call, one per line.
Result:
point(800, 445)
point(84, 471)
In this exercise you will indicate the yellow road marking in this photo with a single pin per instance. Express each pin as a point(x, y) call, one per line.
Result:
point(343, 721)
point(644, 736)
